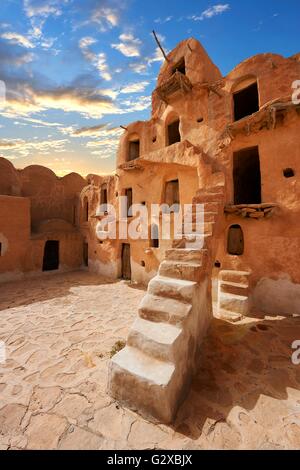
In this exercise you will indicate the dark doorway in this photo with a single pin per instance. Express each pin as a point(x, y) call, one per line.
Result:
point(246, 102)
point(128, 194)
point(235, 240)
point(103, 198)
point(154, 236)
point(85, 210)
point(173, 133)
point(246, 176)
point(86, 254)
point(51, 255)
point(134, 150)
point(172, 192)
point(126, 266)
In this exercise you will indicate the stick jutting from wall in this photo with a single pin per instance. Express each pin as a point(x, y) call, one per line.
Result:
point(160, 46)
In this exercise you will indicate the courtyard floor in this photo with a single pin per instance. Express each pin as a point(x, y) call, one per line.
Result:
point(59, 331)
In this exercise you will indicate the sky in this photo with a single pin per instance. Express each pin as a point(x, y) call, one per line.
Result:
point(73, 71)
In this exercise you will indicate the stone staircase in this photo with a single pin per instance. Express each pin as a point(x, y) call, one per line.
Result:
point(233, 290)
point(153, 372)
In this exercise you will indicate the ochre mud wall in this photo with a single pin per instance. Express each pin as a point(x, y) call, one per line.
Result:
point(36, 206)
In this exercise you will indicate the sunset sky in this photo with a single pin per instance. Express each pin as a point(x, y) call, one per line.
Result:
point(75, 70)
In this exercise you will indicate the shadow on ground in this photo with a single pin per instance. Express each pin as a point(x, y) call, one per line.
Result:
point(47, 287)
point(241, 364)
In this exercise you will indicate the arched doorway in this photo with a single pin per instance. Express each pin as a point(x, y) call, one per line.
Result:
point(51, 255)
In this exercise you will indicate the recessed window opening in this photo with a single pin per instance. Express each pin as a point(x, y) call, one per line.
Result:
point(128, 194)
point(134, 150)
point(172, 193)
point(154, 236)
point(288, 173)
point(246, 102)
point(173, 134)
point(85, 210)
point(247, 177)
point(180, 67)
point(85, 254)
point(235, 240)
point(103, 197)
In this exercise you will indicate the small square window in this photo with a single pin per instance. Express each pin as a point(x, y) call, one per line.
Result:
point(288, 173)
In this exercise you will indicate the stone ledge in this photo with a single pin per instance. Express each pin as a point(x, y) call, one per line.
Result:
point(252, 211)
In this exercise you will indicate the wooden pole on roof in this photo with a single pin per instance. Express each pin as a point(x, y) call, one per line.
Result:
point(160, 46)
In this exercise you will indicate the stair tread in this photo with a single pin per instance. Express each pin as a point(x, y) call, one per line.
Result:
point(172, 288)
point(183, 262)
point(184, 250)
point(234, 284)
point(224, 295)
point(233, 271)
point(163, 333)
point(175, 281)
point(144, 366)
point(229, 315)
point(160, 303)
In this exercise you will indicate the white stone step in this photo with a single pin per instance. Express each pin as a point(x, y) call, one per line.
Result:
point(142, 383)
point(179, 289)
point(229, 316)
point(233, 288)
point(239, 277)
point(188, 270)
point(160, 340)
point(233, 303)
point(163, 309)
point(184, 254)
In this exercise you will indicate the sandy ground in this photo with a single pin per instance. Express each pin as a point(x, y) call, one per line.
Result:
point(59, 331)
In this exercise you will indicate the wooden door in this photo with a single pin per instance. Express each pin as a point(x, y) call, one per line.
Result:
point(235, 242)
point(126, 266)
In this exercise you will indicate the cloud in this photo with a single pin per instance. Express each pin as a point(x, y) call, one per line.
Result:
point(26, 99)
point(13, 56)
point(92, 131)
point(107, 142)
point(16, 38)
point(163, 20)
point(140, 104)
point(41, 123)
point(139, 68)
point(211, 12)
point(24, 147)
point(129, 45)
point(135, 87)
point(43, 8)
point(47, 43)
point(105, 17)
point(97, 60)
point(158, 56)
